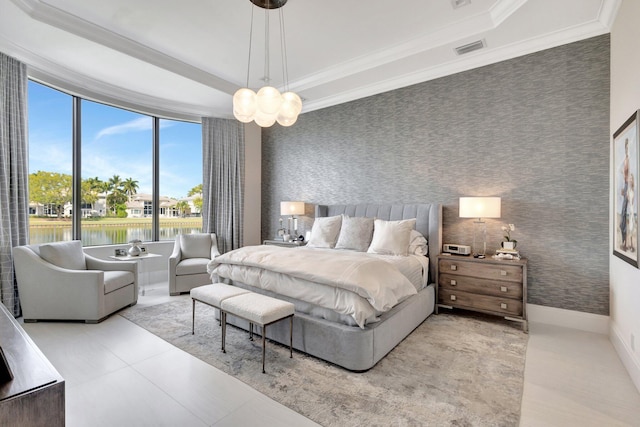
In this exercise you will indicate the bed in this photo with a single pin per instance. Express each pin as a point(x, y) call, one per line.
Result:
point(351, 334)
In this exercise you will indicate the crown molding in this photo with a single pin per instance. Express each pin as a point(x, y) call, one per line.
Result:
point(463, 29)
point(73, 24)
point(73, 83)
point(474, 60)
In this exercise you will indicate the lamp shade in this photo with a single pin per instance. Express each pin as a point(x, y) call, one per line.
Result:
point(291, 208)
point(480, 207)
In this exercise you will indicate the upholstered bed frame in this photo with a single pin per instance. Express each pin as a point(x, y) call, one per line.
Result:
point(351, 347)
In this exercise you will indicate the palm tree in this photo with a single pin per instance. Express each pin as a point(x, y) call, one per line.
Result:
point(195, 190)
point(183, 207)
point(130, 187)
point(114, 183)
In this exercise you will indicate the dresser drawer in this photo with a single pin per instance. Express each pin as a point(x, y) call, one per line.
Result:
point(502, 271)
point(497, 288)
point(485, 303)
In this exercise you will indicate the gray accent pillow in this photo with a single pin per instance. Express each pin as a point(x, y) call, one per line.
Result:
point(195, 245)
point(67, 255)
point(324, 232)
point(355, 233)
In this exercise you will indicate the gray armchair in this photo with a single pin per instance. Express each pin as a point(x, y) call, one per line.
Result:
point(58, 281)
point(188, 262)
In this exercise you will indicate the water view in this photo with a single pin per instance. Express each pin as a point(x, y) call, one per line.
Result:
point(108, 232)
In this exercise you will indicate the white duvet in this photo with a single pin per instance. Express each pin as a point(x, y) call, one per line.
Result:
point(356, 284)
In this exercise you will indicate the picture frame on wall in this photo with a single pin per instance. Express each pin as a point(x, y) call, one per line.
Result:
point(626, 163)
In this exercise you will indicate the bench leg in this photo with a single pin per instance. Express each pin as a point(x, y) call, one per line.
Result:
point(223, 320)
point(291, 337)
point(264, 342)
point(193, 316)
point(250, 331)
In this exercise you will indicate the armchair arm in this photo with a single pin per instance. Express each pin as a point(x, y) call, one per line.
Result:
point(174, 259)
point(94, 263)
point(214, 246)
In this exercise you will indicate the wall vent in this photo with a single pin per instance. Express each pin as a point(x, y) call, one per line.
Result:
point(459, 3)
point(467, 48)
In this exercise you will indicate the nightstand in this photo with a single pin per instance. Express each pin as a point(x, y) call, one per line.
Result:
point(292, 244)
point(488, 285)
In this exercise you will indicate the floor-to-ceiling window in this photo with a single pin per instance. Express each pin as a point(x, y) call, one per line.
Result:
point(117, 154)
point(117, 169)
point(50, 164)
point(180, 178)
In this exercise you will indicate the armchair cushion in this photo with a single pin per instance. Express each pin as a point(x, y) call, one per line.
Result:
point(192, 266)
point(67, 255)
point(195, 245)
point(114, 280)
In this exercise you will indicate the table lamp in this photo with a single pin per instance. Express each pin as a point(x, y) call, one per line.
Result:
point(479, 207)
point(293, 209)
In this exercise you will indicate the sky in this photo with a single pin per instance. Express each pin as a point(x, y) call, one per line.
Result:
point(114, 142)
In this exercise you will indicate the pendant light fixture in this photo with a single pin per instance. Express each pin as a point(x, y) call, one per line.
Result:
point(268, 105)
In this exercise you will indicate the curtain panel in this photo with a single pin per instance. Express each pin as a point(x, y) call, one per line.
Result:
point(14, 174)
point(223, 181)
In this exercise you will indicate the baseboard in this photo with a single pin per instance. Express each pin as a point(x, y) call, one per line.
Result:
point(568, 318)
point(626, 355)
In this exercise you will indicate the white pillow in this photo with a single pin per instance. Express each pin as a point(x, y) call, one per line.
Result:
point(324, 232)
point(197, 245)
point(67, 255)
point(355, 233)
point(418, 245)
point(391, 237)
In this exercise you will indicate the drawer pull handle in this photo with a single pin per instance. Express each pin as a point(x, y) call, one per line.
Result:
point(453, 297)
point(503, 305)
point(503, 273)
point(503, 288)
point(453, 283)
point(454, 267)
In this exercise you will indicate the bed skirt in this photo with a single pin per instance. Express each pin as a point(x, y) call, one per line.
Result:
point(352, 347)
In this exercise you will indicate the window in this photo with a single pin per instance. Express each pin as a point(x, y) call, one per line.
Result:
point(180, 178)
point(117, 189)
point(117, 147)
point(50, 163)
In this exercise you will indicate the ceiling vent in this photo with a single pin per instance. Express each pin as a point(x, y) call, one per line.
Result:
point(459, 3)
point(467, 48)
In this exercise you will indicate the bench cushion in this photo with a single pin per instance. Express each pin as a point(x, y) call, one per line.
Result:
point(258, 308)
point(215, 293)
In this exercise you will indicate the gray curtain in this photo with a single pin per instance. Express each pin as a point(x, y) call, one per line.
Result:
point(223, 181)
point(14, 174)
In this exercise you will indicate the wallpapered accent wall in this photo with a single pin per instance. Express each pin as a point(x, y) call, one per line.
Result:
point(533, 130)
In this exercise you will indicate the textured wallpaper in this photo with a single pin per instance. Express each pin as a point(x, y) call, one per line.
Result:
point(533, 130)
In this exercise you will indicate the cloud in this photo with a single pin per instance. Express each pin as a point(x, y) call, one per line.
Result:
point(136, 125)
point(139, 124)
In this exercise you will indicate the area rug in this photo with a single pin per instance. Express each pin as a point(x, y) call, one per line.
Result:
point(453, 370)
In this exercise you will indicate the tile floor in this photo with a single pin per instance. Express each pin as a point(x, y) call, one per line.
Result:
point(118, 374)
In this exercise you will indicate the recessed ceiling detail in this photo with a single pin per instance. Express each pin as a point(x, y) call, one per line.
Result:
point(187, 62)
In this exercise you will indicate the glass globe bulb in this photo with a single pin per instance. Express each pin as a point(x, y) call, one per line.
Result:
point(245, 105)
point(290, 109)
point(269, 100)
point(265, 120)
point(292, 99)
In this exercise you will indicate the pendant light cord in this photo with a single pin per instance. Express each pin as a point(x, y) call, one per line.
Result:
point(250, 43)
point(283, 48)
point(266, 44)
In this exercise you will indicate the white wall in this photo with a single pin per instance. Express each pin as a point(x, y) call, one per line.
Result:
point(625, 99)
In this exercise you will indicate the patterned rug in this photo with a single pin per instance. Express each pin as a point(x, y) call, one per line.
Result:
point(453, 370)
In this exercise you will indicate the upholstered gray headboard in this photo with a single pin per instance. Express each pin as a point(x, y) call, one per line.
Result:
point(428, 221)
